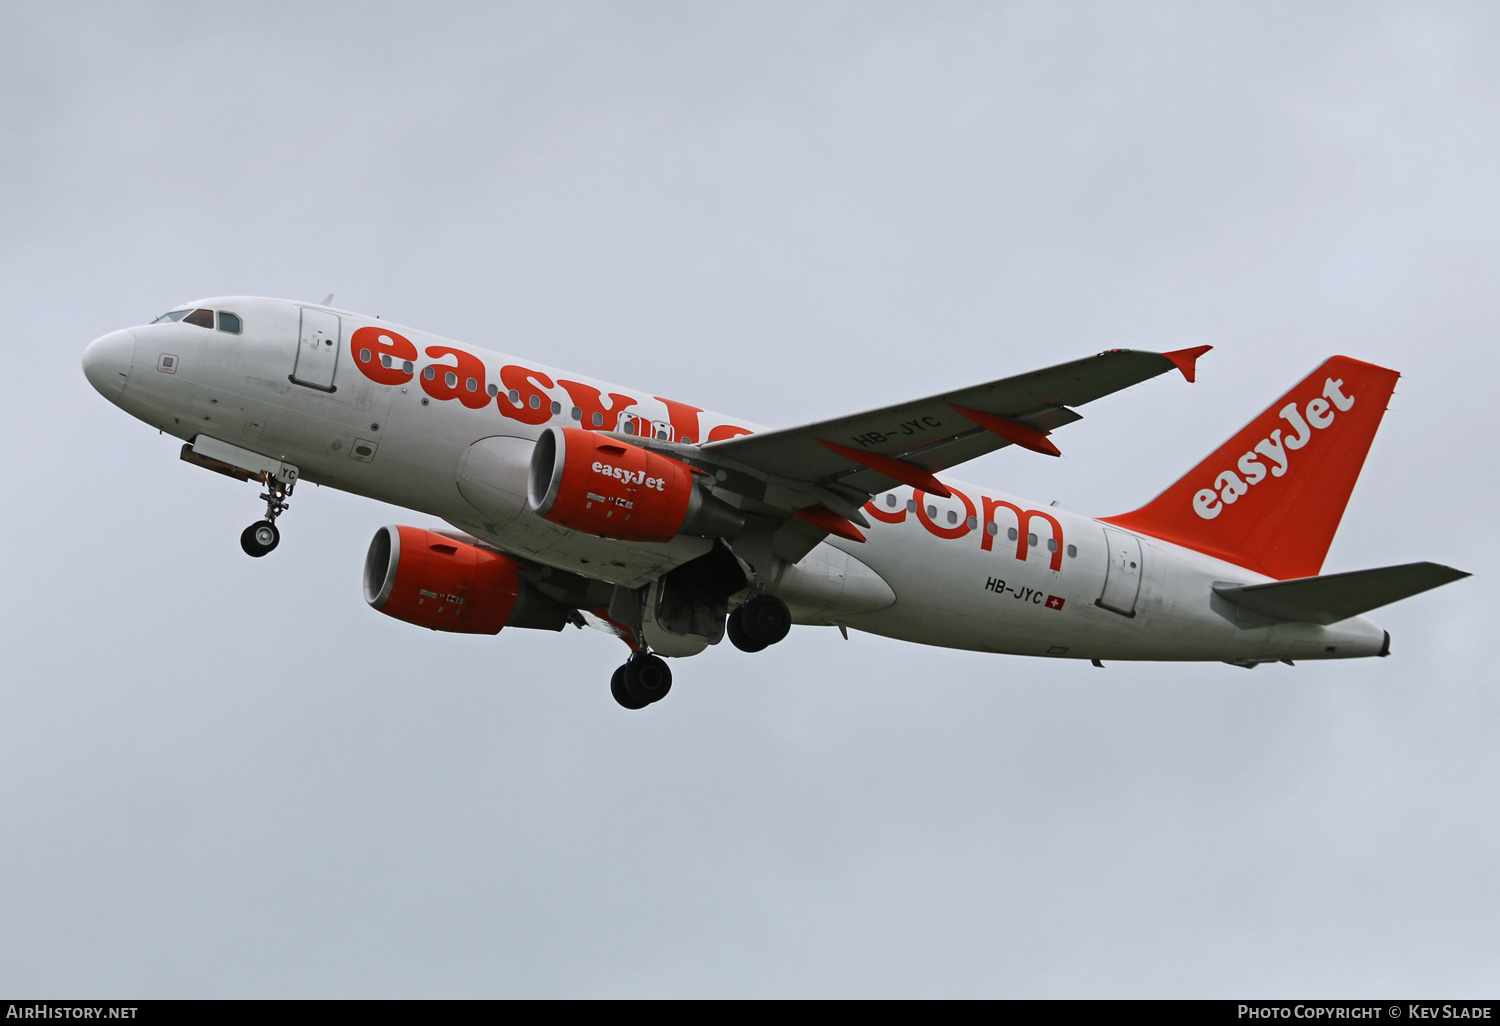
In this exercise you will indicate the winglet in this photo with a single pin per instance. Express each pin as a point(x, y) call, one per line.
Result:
point(897, 470)
point(826, 519)
point(1013, 431)
point(1186, 360)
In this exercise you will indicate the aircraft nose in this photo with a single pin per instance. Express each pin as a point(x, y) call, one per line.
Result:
point(106, 363)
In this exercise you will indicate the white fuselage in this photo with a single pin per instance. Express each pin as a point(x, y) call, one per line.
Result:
point(962, 572)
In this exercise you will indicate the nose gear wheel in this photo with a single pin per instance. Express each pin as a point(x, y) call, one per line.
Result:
point(260, 538)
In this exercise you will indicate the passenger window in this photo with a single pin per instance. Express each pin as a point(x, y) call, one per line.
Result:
point(493, 389)
point(202, 318)
point(973, 523)
point(1051, 544)
point(890, 499)
point(231, 322)
point(1012, 533)
point(598, 420)
point(1072, 551)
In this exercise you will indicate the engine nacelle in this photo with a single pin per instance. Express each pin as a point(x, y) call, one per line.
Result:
point(441, 583)
point(587, 481)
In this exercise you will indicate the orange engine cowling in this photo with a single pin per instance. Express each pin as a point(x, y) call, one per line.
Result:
point(591, 482)
point(441, 583)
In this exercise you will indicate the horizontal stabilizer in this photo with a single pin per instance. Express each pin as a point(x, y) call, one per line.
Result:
point(1337, 597)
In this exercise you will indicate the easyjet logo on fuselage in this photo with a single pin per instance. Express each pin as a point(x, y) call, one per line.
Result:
point(1314, 415)
point(389, 358)
point(981, 518)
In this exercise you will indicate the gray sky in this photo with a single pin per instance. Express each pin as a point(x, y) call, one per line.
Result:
point(221, 776)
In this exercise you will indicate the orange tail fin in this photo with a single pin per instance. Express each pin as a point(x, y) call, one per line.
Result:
point(1270, 499)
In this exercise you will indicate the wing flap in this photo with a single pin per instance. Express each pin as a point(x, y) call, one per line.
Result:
point(1336, 597)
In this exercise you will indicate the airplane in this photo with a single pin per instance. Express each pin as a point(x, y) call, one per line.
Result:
point(572, 501)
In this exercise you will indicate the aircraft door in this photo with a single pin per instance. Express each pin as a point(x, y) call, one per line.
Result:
point(317, 350)
point(1122, 579)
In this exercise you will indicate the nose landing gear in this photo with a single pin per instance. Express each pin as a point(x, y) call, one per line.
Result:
point(643, 679)
point(262, 536)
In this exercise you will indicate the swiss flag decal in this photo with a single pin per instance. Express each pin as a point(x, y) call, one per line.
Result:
point(1054, 602)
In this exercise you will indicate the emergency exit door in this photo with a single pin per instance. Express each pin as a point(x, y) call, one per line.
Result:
point(1122, 580)
point(317, 350)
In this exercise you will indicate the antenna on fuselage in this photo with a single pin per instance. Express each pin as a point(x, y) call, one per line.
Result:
point(328, 300)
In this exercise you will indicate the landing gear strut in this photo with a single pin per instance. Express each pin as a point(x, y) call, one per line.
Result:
point(644, 679)
point(760, 623)
point(262, 536)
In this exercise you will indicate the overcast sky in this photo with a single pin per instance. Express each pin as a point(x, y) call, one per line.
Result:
point(230, 777)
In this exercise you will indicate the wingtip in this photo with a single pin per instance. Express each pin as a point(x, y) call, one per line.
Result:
point(1186, 360)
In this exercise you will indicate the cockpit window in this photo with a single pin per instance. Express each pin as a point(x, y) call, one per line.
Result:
point(229, 322)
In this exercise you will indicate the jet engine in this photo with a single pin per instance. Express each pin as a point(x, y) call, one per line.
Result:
point(445, 584)
point(588, 481)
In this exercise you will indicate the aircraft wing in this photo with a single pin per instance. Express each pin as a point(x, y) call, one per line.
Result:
point(942, 431)
point(822, 473)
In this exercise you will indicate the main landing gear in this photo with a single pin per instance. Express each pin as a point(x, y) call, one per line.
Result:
point(643, 679)
point(758, 624)
point(262, 536)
